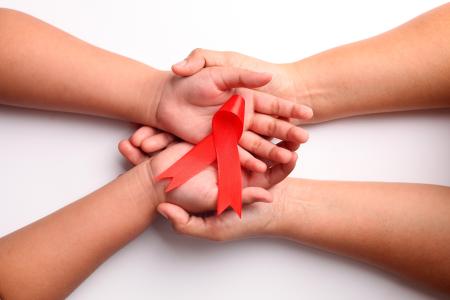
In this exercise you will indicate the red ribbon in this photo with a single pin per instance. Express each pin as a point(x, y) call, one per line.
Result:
point(221, 144)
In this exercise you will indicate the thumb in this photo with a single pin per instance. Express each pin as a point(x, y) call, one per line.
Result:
point(255, 194)
point(227, 78)
point(184, 223)
point(197, 60)
point(227, 226)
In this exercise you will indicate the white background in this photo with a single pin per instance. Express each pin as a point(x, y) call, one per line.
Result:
point(48, 160)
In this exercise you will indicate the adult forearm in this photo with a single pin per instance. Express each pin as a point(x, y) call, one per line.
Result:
point(406, 68)
point(404, 228)
point(49, 258)
point(44, 67)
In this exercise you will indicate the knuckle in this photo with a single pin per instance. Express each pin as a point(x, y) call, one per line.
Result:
point(248, 162)
point(232, 58)
point(178, 228)
point(274, 152)
point(291, 133)
point(256, 145)
point(272, 126)
point(275, 107)
point(196, 51)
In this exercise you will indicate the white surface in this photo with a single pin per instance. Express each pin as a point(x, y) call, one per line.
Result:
point(51, 159)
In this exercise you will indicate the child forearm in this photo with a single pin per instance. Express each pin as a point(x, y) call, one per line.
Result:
point(52, 256)
point(44, 67)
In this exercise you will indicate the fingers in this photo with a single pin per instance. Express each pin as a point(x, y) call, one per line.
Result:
point(175, 214)
point(264, 148)
point(144, 140)
point(198, 59)
point(279, 172)
point(270, 126)
point(271, 105)
point(141, 134)
point(229, 78)
point(131, 153)
point(251, 163)
point(218, 228)
point(157, 142)
point(151, 140)
point(255, 194)
point(291, 146)
point(184, 223)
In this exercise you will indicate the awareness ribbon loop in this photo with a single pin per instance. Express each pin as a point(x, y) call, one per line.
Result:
point(221, 144)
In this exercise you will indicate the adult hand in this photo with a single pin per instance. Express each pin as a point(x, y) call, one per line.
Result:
point(283, 83)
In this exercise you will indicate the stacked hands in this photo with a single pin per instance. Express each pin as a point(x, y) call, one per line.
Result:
point(188, 101)
point(403, 228)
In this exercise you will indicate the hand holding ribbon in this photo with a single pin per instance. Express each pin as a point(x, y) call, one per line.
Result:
point(220, 145)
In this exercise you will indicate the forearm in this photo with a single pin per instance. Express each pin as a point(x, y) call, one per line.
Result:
point(404, 228)
point(51, 257)
point(44, 67)
point(406, 68)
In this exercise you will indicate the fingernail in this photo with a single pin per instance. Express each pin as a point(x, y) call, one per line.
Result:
point(181, 63)
point(308, 110)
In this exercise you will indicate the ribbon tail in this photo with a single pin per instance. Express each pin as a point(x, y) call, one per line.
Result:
point(229, 175)
point(200, 156)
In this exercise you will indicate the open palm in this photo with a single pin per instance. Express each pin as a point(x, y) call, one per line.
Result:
point(188, 104)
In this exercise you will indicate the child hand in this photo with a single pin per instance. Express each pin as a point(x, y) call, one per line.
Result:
point(200, 192)
point(187, 105)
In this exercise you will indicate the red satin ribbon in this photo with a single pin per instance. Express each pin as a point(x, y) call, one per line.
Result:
point(221, 144)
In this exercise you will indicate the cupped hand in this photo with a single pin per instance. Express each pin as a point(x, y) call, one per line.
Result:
point(200, 192)
point(257, 219)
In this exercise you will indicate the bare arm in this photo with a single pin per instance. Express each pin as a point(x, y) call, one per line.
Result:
point(406, 68)
point(52, 256)
point(44, 67)
point(403, 228)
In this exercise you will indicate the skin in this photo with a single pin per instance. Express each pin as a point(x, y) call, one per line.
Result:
point(204, 185)
point(403, 228)
point(68, 245)
point(361, 231)
point(46, 68)
point(406, 68)
point(52, 256)
point(43, 67)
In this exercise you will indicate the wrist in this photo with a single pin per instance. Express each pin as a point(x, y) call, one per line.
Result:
point(300, 83)
point(151, 95)
point(149, 188)
point(311, 88)
point(292, 208)
point(329, 82)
